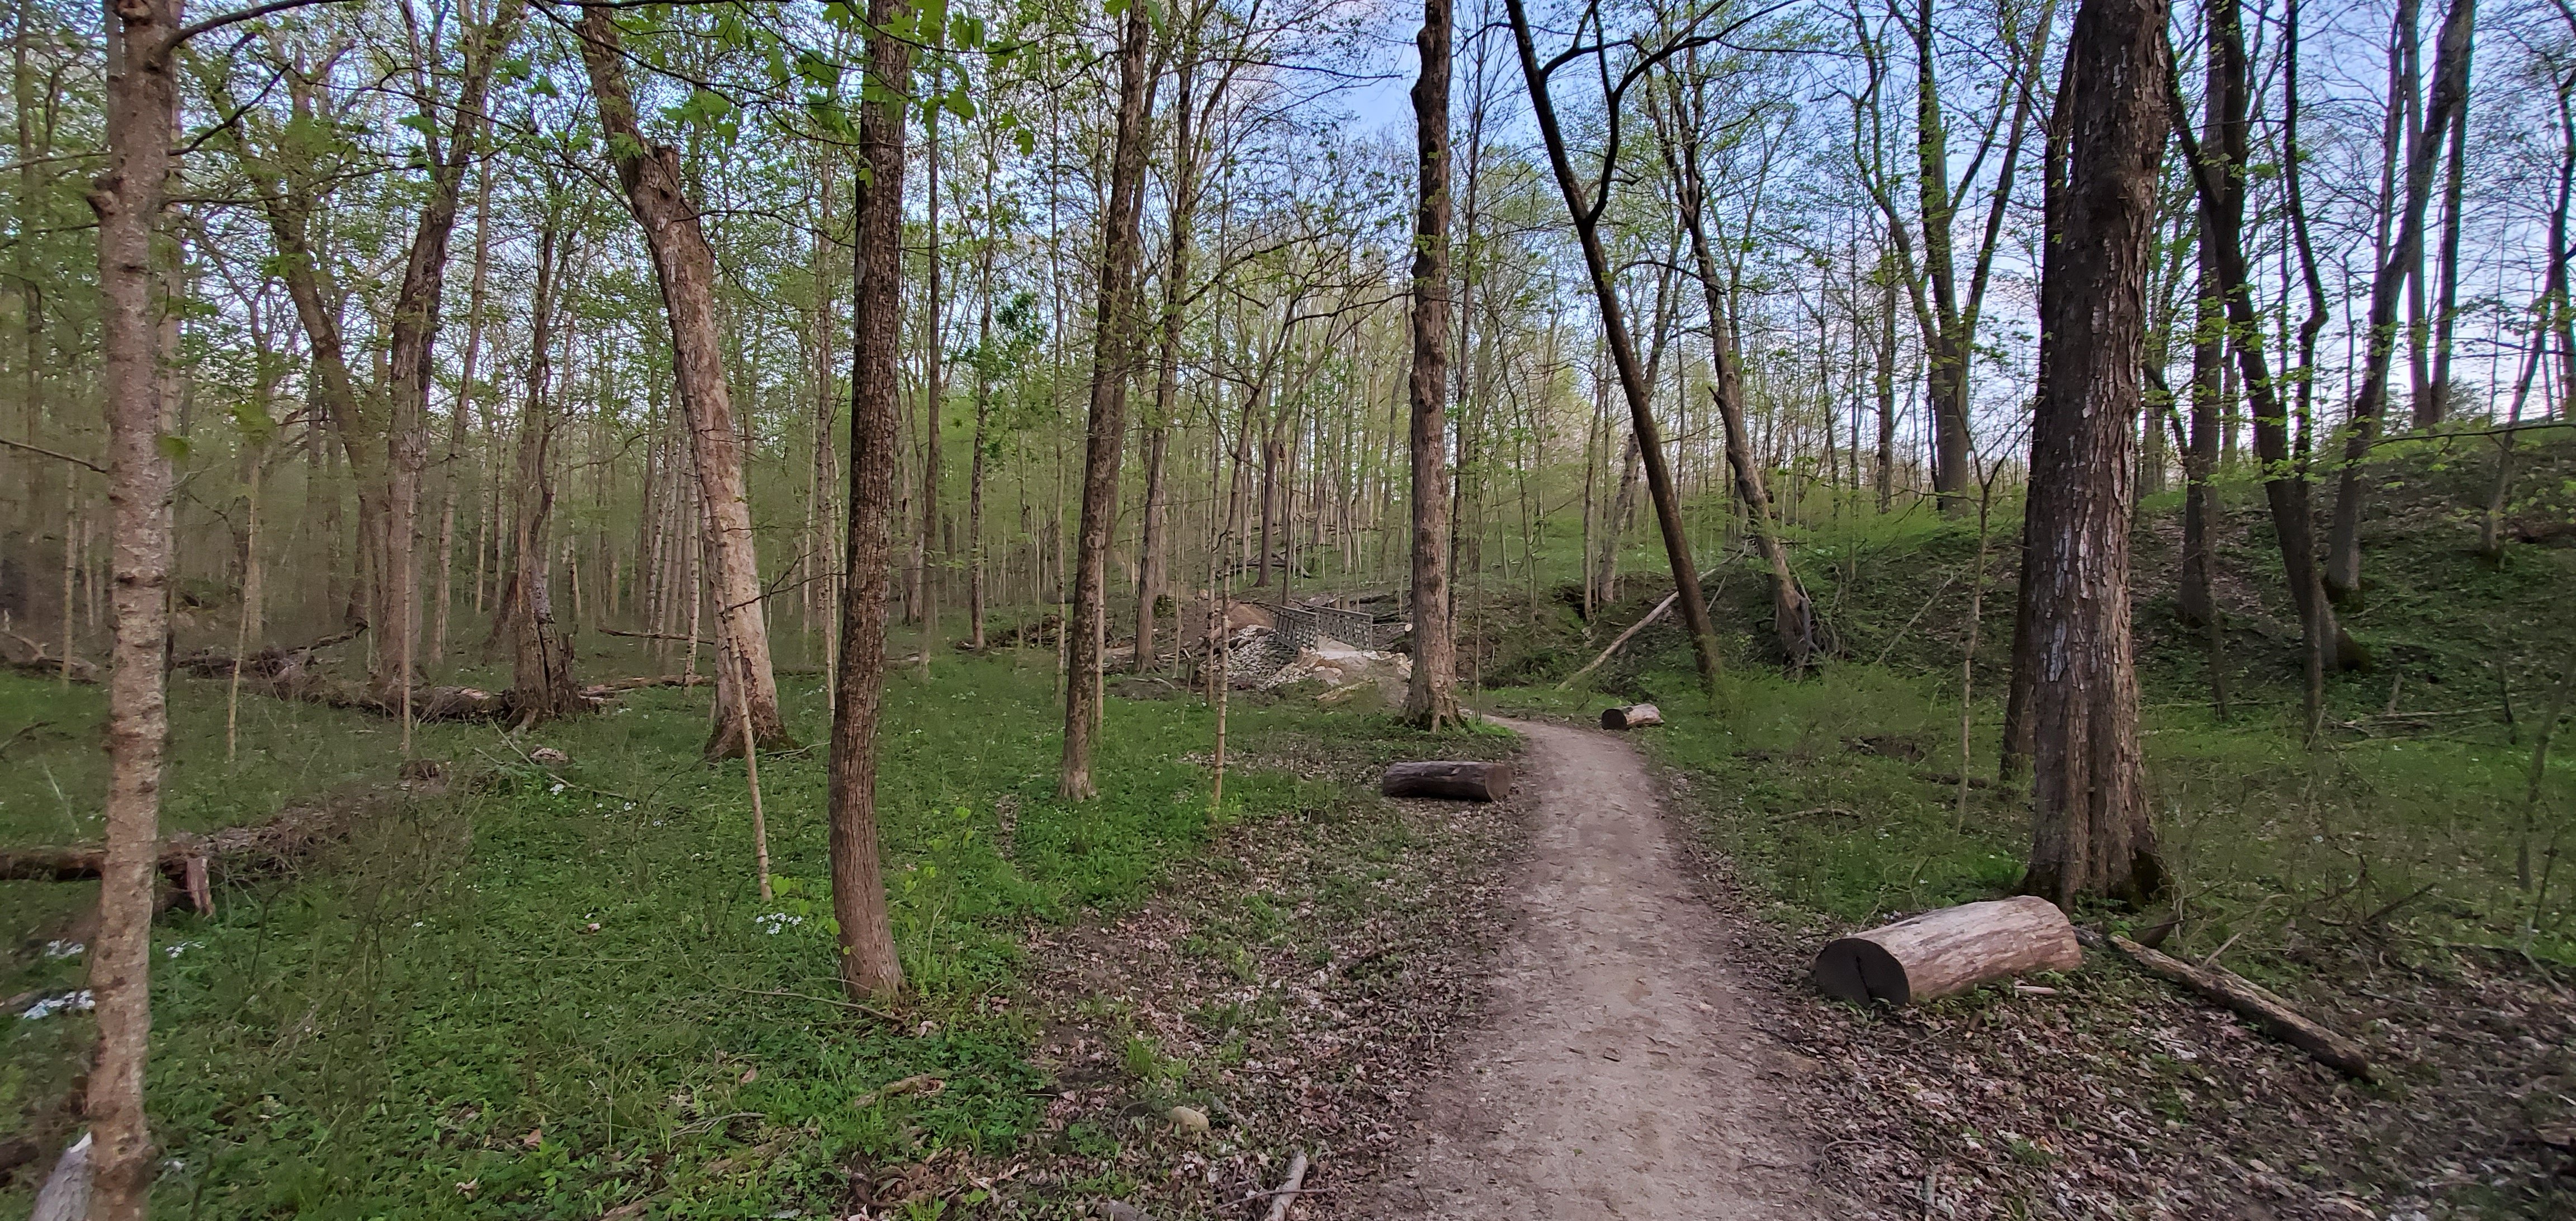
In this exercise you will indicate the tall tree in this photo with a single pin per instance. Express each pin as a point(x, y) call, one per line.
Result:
point(1585, 207)
point(1948, 317)
point(128, 197)
point(869, 967)
point(2404, 261)
point(412, 333)
point(683, 263)
point(1113, 356)
point(1681, 134)
point(2090, 828)
point(2218, 176)
point(541, 685)
point(1431, 698)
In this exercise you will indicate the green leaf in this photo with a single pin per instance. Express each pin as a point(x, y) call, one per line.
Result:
point(172, 446)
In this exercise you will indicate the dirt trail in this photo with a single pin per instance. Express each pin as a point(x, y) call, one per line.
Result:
point(1619, 1071)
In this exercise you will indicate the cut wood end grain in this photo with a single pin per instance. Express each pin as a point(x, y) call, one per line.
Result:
point(1947, 951)
point(1634, 716)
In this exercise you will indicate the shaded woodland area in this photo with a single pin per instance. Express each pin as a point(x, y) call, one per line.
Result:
point(842, 494)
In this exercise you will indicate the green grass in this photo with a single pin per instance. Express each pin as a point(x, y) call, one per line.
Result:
point(1823, 790)
point(1808, 787)
point(431, 1007)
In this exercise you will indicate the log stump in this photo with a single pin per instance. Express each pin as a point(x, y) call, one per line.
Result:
point(1946, 951)
point(1457, 779)
point(1634, 716)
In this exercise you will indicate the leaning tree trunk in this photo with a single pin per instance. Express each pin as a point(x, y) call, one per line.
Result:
point(869, 967)
point(1431, 698)
point(541, 683)
point(2218, 176)
point(656, 193)
point(142, 102)
point(2342, 576)
point(1633, 376)
point(1113, 354)
point(2090, 833)
point(1792, 615)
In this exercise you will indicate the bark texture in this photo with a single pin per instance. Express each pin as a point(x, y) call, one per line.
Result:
point(1431, 695)
point(1113, 355)
point(2090, 833)
point(656, 192)
point(1947, 951)
point(869, 966)
point(142, 102)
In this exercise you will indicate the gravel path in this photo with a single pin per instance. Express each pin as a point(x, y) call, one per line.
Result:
point(1619, 1071)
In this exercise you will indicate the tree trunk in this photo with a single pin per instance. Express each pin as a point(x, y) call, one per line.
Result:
point(2342, 577)
point(541, 682)
point(1113, 355)
point(2434, 404)
point(2197, 602)
point(1623, 352)
point(869, 967)
point(2219, 183)
point(685, 267)
point(983, 419)
point(459, 422)
point(1431, 695)
point(412, 343)
point(1792, 617)
point(934, 387)
point(142, 106)
point(1885, 474)
point(2090, 831)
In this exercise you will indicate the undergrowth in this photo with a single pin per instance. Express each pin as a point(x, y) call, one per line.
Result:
point(1837, 792)
point(556, 988)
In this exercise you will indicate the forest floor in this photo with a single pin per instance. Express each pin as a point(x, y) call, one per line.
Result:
point(551, 989)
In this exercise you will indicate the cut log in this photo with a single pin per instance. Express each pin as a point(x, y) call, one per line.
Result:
point(1462, 779)
point(1946, 951)
point(1634, 716)
point(2255, 1004)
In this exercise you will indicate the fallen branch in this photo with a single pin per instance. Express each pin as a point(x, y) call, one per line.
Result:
point(191, 861)
point(2254, 1003)
point(273, 662)
point(31, 659)
point(1633, 629)
point(927, 1085)
point(287, 672)
point(1286, 1196)
point(683, 639)
point(614, 686)
point(15, 738)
